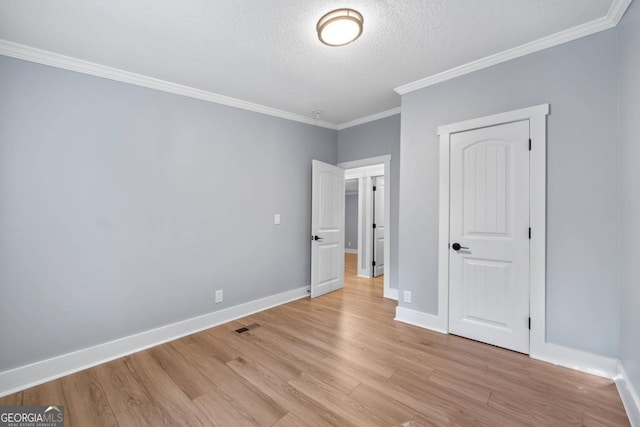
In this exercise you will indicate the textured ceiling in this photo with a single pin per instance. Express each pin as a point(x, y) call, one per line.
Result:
point(267, 51)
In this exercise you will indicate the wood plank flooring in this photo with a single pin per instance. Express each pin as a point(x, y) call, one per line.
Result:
point(337, 360)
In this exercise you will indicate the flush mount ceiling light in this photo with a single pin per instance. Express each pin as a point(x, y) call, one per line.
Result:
point(340, 27)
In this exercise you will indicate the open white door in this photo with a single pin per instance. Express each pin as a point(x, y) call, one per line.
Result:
point(489, 235)
point(378, 226)
point(327, 228)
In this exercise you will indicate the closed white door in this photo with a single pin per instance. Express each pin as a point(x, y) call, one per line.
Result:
point(327, 228)
point(378, 224)
point(489, 235)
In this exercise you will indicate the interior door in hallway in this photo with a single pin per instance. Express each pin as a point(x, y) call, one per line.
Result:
point(378, 226)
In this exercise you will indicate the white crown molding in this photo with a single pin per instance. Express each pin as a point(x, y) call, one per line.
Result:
point(617, 10)
point(23, 377)
point(31, 54)
point(371, 118)
point(614, 14)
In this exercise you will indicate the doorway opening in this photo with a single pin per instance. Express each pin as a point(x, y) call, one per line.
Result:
point(364, 237)
point(367, 213)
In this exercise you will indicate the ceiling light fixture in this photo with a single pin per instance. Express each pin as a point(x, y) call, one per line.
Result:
point(340, 27)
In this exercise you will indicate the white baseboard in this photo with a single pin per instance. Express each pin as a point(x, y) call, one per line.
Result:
point(578, 360)
point(350, 251)
point(629, 396)
point(548, 352)
point(423, 320)
point(391, 293)
point(23, 377)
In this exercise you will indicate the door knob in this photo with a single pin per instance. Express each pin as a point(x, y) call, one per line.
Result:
point(316, 238)
point(456, 247)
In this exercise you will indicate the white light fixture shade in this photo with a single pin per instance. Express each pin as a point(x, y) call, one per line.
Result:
point(340, 27)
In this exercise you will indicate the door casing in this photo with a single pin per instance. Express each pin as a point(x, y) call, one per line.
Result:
point(537, 181)
point(391, 293)
point(365, 176)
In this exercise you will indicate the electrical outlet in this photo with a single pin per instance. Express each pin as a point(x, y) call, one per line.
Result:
point(349, 244)
point(406, 296)
point(276, 219)
point(218, 296)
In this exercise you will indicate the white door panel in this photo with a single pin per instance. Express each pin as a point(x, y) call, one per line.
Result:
point(489, 215)
point(379, 231)
point(327, 228)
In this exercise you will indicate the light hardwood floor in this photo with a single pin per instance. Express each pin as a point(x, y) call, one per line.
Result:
point(339, 360)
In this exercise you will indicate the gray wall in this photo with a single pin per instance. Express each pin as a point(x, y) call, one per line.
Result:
point(578, 79)
point(374, 139)
point(124, 208)
point(629, 98)
point(351, 221)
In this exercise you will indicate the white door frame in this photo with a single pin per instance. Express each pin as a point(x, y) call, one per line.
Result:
point(364, 176)
point(537, 206)
point(386, 160)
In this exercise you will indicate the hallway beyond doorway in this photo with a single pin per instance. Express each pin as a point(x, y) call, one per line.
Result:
point(351, 274)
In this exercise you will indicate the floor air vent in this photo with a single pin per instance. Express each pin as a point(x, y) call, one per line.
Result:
point(247, 328)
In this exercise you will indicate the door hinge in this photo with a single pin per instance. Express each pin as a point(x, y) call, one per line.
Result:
point(529, 232)
point(373, 263)
point(374, 188)
point(529, 323)
point(374, 226)
point(529, 144)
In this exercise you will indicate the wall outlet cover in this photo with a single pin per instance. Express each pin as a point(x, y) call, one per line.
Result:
point(218, 296)
point(406, 296)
